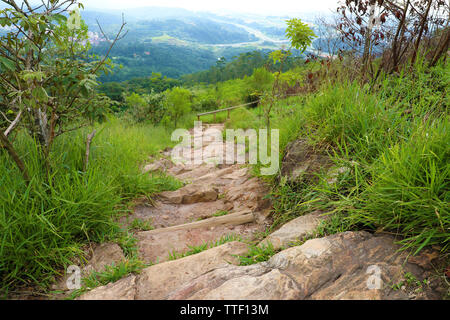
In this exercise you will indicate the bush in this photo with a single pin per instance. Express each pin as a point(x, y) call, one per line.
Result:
point(205, 102)
point(143, 108)
point(178, 103)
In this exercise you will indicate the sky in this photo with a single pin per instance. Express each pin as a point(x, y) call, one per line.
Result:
point(248, 6)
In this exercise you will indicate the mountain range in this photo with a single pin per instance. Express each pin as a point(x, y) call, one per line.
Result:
point(175, 41)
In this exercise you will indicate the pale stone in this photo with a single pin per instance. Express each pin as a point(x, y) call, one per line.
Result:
point(315, 247)
point(271, 286)
point(294, 230)
point(157, 281)
point(123, 289)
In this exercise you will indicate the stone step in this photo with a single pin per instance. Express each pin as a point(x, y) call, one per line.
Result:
point(157, 282)
point(163, 215)
point(158, 248)
point(294, 230)
point(345, 266)
point(233, 219)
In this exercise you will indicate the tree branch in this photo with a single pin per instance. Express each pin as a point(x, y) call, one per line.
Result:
point(88, 149)
point(13, 124)
point(12, 152)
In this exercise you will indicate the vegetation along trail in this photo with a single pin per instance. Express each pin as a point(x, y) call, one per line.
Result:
point(201, 246)
point(97, 202)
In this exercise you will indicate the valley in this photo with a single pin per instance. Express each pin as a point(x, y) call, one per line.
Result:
point(181, 42)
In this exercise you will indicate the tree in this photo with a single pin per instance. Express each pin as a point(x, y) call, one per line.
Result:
point(396, 28)
point(301, 37)
point(178, 103)
point(300, 34)
point(47, 78)
point(260, 81)
point(148, 107)
point(137, 107)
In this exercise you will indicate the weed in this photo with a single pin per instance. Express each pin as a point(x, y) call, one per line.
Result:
point(138, 224)
point(257, 254)
point(221, 213)
point(111, 274)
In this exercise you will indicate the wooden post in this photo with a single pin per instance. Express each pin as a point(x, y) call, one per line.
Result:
point(198, 118)
point(228, 114)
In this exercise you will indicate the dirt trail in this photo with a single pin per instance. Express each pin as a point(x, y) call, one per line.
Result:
point(217, 201)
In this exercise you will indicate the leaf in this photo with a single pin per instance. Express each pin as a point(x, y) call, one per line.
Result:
point(59, 18)
point(8, 64)
point(40, 94)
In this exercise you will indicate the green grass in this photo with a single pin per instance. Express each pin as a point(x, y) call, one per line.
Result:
point(221, 213)
point(394, 142)
point(111, 274)
point(138, 224)
point(257, 254)
point(44, 226)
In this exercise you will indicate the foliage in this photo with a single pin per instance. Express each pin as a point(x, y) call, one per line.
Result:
point(260, 81)
point(44, 226)
point(300, 34)
point(257, 254)
point(47, 84)
point(393, 143)
point(369, 27)
point(239, 67)
point(178, 103)
point(391, 139)
point(221, 213)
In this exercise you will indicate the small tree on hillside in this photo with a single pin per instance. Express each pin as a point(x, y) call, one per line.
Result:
point(301, 36)
point(47, 78)
point(178, 103)
point(258, 84)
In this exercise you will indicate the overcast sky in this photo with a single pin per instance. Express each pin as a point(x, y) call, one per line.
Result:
point(248, 6)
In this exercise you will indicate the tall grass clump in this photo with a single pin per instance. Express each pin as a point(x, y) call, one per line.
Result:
point(45, 225)
point(408, 191)
point(355, 121)
point(394, 140)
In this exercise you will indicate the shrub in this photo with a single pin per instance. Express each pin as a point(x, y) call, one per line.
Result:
point(178, 103)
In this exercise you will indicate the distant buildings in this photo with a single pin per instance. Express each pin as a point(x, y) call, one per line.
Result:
point(95, 38)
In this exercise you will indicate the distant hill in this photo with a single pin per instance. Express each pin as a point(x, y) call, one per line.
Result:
point(176, 42)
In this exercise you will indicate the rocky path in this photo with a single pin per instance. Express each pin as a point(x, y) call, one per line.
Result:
point(217, 201)
point(225, 200)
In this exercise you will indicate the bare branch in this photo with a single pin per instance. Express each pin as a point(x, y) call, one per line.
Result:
point(88, 149)
point(12, 152)
point(13, 124)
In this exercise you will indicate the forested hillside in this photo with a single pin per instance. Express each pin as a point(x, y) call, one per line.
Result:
point(179, 42)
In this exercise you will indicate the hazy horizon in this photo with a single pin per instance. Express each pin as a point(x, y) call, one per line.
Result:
point(282, 7)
